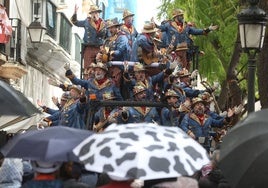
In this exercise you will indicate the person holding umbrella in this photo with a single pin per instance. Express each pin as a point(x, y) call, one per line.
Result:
point(45, 175)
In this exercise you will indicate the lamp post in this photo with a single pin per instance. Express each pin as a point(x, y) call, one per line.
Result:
point(36, 31)
point(252, 24)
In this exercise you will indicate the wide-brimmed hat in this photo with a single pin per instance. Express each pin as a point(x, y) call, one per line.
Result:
point(127, 13)
point(183, 73)
point(198, 100)
point(76, 87)
point(138, 67)
point(66, 96)
point(181, 46)
point(177, 12)
point(138, 89)
point(45, 167)
point(171, 93)
point(101, 65)
point(113, 23)
point(206, 96)
point(149, 27)
point(94, 8)
point(108, 96)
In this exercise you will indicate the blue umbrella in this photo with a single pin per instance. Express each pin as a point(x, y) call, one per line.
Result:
point(49, 144)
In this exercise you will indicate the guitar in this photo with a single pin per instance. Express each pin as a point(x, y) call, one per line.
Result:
point(99, 127)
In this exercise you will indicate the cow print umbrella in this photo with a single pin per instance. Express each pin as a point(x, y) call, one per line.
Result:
point(143, 151)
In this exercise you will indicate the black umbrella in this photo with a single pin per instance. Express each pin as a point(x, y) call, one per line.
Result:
point(244, 152)
point(49, 144)
point(12, 102)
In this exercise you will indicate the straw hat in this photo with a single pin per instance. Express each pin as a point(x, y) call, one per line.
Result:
point(171, 93)
point(181, 46)
point(149, 27)
point(113, 22)
point(183, 73)
point(138, 89)
point(198, 100)
point(94, 8)
point(127, 13)
point(177, 12)
point(76, 87)
point(138, 67)
point(101, 65)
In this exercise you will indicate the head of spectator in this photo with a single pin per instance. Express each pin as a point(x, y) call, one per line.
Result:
point(113, 26)
point(128, 18)
point(139, 92)
point(43, 167)
point(11, 173)
point(178, 15)
point(94, 12)
point(139, 72)
point(100, 71)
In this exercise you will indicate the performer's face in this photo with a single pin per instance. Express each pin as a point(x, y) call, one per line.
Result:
point(199, 108)
point(113, 30)
point(140, 75)
point(99, 73)
point(95, 16)
point(172, 100)
point(141, 96)
point(129, 20)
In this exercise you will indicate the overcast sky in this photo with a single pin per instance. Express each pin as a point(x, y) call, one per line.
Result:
point(146, 10)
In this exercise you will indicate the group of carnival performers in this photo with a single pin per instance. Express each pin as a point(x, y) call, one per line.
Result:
point(154, 65)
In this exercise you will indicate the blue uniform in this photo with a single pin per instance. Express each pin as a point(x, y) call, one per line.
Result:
point(93, 87)
point(192, 123)
point(130, 32)
point(71, 115)
point(143, 41)
point(138, 115)
point(93, 36)
point(181, 33)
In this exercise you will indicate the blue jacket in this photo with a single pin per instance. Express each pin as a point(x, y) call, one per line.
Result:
point(136, 115)
point(71, 115)
point(145, 43)
point(171, 28)
point(92, 36)
point(131, 33)
point(119, 44)
point(192, 123)
point(93, 87)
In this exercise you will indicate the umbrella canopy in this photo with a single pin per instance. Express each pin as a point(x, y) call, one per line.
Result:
point(244, 152)
point(49, 144)
point(14, 103)
point(141, 151)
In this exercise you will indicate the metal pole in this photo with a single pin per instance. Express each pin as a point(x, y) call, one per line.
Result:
point(251, 81)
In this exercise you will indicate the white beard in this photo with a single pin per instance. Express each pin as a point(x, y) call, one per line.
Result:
point(99, 76)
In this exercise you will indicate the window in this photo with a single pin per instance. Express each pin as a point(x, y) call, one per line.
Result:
point(119, 5)
point(37, 9)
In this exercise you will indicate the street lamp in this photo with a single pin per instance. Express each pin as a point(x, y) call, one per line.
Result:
point(252, 25)
point(36, 31)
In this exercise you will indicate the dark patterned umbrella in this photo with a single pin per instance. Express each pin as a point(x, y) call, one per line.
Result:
point(14, 103)
point(49, 144)
point(142, 151)
point(244, 152)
